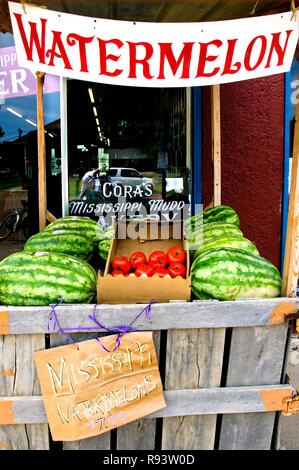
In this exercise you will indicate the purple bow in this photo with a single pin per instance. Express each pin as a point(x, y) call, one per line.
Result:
point(120, 330)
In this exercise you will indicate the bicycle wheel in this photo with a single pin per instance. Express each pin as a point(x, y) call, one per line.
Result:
point(8, 225)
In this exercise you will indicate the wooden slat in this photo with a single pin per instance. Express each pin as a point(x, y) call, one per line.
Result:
point(291, 258)
point(185, 402)
point(256, 357)
point(18, 377)
point(50, 216)
point(186, 11)
point(101, 442)
point(141, 433)
point(194, 359)
point(179, 315)
point(216, 143)
point(41, 153)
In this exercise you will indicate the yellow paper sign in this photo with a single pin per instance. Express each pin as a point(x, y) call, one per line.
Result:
point(88, 391)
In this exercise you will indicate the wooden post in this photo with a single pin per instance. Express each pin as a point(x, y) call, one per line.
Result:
point(50, 216)
point(42, 194)
point(291, 259)
point(216, 143)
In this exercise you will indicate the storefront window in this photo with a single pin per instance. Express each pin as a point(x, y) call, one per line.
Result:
point(137, 139)
point(18, 147)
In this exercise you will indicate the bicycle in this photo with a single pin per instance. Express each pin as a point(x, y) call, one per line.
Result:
point(15, 221)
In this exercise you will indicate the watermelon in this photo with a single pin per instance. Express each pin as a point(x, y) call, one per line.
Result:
point(223, 214)
point(28, 278)
point(103, 248)
point(86, 226)
point(107, 233)
point(238, 242)
point(105, 242)
point(61, 241)
point(212, 231)
point(230, 273)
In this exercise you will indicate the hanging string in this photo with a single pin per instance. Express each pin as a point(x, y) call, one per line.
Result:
point(294, 9)
point(54, 325)
point(254, 7)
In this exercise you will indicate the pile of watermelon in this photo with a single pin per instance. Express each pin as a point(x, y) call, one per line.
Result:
point(105, 242)
point(54, 264)
point(226, 265)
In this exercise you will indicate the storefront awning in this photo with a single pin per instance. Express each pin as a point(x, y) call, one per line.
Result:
point(157, 10)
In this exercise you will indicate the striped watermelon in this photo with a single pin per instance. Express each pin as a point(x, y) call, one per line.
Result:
point(107, 233)
point(223, 214)
point(212, 231)
point(241, 243)
point(61, 241)
point(103, 248)
point(42, 278)
point(229, 273)
point(88, 227)
point(105, 242)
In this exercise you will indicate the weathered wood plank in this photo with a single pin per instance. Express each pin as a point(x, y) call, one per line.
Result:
point(178, 315)
point(185, 402)
point(101, 442)
point(18, 377)
point(256, 357)
point(194, 359)
point(141, 433)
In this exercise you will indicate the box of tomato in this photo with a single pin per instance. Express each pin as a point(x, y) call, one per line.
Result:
point(148, 260)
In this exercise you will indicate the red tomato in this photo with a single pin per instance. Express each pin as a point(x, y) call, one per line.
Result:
point(176, 255)
point(157, 259)
point(161, 272)
point(116, 272)
point(137, 258)
point(177, 269)
point(121, 263)
point(144, 269)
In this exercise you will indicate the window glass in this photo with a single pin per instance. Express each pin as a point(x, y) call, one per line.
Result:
point(18, 147)
point(111, 172)
point(294, 79)
point(130, 173)
point(136, 140)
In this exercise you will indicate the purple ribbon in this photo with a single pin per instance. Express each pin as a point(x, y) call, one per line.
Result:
point(120, 330)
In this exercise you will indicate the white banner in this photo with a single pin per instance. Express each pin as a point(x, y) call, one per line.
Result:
point(153, 54)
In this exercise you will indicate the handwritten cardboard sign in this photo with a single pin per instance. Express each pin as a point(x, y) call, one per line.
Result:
point(88, 391)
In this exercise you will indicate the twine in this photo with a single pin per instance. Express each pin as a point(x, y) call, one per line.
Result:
point(120, 329)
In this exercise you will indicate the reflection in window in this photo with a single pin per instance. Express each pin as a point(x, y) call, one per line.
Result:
point(18, 141)
point(136, 138)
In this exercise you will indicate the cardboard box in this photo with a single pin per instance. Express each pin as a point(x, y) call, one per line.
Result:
point(146, 236)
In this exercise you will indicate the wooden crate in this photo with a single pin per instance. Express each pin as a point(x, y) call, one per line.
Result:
point(221, 363)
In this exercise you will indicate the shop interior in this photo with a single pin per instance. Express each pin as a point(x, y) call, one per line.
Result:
point(132, 134)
